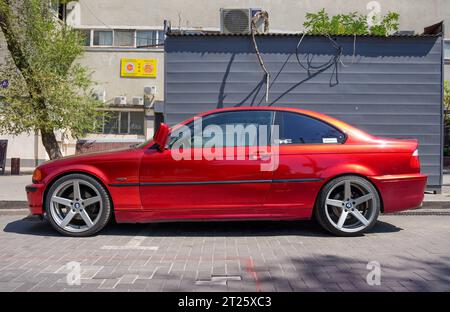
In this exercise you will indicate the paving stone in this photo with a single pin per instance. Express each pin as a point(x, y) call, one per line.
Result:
point(267, 256)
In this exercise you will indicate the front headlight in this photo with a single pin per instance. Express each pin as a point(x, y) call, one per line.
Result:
point(37, 176)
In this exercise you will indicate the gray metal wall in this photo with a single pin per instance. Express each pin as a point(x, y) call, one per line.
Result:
point(392, 88)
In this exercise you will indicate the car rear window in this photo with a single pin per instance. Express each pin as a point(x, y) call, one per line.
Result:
point(300, 129)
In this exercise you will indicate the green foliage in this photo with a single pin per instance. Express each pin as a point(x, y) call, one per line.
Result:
point(388, 24)
point(48, 89)
point(446, 102)
point(446, 151)
point(446, 95)
point(353, 23)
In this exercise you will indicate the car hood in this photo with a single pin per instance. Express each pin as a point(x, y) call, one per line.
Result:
point(87, 158)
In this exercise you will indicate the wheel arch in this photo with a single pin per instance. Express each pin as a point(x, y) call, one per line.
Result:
point(60, 175)
point(326, 181)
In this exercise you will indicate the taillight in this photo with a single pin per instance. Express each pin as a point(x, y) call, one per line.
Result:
point(415, 162)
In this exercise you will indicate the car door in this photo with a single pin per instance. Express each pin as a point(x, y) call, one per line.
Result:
point(306, 147)
point(193, 187)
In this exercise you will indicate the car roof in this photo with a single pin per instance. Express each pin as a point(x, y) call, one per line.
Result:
point(271, 108)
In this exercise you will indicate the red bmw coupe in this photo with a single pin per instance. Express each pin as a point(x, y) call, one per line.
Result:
point(324, 168)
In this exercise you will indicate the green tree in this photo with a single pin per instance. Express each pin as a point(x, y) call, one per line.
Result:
point(388, 24)
point(447, 103)
point(48, 90)
point(353, 23)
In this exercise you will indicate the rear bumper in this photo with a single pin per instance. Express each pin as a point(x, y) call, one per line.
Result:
point(35, 195)
point(401, 192)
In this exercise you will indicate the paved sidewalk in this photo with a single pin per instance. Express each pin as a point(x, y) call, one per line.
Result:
point(12, 187)
point(413, 253)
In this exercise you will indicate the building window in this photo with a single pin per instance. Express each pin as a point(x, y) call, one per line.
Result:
point(123, 122)
point(111, 123)
point(103, 38)
point(447, 50)
point(86, 35)
point(136, 123)
point(149, 38)
point(124, 38)
point(54, 5)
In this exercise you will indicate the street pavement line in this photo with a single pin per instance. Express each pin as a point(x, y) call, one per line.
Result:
point(134, 243)
point(219, 280)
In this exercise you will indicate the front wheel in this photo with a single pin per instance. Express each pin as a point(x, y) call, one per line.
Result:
point(78, 205)
point(348, 206)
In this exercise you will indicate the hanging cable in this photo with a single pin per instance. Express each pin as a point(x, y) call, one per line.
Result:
point(265, 16)
point(335, 59)
point(323, 66)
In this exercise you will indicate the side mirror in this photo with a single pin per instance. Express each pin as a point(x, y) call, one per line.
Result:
point(161, 136)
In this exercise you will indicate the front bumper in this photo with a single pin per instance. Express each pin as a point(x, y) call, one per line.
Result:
point(401, 192)
point(35, 196)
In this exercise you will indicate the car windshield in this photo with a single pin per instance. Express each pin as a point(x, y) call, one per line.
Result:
point(142, 144)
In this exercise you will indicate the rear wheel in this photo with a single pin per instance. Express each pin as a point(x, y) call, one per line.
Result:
point(78, 205)
point(348, 206)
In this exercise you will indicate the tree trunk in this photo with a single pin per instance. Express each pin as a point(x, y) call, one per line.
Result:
point(51, 144)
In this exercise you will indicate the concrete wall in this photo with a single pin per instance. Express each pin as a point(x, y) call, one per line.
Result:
point(105, 66)
point(392, 88)
point(27, 147)
point(285, 15)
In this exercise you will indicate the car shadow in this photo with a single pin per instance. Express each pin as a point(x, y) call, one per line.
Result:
point(33, 226)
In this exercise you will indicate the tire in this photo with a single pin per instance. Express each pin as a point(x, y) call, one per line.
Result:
point(73, 216)
point(344, 216)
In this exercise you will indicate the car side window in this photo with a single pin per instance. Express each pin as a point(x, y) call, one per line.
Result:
point(300, 129)
point(241, 126)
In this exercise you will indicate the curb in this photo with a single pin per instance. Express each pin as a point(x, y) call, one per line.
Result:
point(422, 212)
point(436, 204)
point(13, 204)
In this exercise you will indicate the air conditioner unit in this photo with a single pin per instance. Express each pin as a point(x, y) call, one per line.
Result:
point(150, 90)
point(237, 21)
point(99, 96)
point(138, 100)
point(120, 100)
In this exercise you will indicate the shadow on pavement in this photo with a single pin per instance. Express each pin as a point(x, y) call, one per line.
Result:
point(337, 273)
point(28, 226)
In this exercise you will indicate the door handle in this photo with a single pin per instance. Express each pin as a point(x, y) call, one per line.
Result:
point(260, 156)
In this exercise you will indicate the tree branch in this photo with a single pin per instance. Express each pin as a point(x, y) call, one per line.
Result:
point(6, 24)
point(14, 47)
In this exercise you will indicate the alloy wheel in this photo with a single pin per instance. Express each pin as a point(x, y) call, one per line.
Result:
point(350, 205)
point(76, 206)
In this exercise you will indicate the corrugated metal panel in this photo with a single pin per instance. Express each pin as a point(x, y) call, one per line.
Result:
point(191, 33)
point(392, 87)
